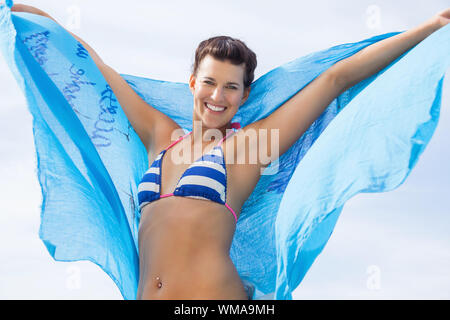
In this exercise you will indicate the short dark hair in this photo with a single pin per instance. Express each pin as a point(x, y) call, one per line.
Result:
point(227, 48)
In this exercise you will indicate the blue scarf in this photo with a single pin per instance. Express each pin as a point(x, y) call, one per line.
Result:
point(90, 159)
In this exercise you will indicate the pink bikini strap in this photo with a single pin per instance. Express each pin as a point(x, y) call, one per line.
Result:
point(234, 125)
point(179, 139)
point(232, 211)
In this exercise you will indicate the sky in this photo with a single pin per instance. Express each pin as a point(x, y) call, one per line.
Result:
point(391, 245)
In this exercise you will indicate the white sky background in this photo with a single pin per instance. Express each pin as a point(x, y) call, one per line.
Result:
point(393, 245)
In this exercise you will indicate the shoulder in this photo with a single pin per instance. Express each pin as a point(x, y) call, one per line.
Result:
point(241, 147)
point(247, 135)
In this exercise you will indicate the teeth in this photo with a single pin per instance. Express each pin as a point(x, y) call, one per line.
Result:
point(214, 108)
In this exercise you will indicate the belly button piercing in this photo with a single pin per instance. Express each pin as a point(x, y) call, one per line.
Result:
point(159, 285)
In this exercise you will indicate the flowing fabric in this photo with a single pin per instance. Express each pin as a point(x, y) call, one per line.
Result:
point(90, 159)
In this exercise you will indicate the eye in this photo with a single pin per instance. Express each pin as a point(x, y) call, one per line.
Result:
point(208, 82)
point(232, 87)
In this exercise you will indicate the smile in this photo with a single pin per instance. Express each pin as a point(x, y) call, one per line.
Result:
point(214, 108)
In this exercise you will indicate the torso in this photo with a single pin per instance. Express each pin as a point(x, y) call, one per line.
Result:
point(184, 243)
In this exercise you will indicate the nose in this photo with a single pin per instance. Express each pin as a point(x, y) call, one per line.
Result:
point(217, 94)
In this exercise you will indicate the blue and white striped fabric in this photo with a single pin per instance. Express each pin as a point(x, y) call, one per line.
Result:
point(206, 179)
point(149, 188)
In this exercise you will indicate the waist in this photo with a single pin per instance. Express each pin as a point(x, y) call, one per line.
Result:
point(186, 246)
point(206, 277)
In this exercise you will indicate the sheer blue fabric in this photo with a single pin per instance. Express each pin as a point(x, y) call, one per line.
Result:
point(90, 159)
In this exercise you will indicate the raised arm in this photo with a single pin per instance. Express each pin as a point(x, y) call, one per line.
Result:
point(377, 56)
point(150, 124)
point(297, 114)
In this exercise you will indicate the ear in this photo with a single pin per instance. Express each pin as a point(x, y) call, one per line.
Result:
point(192, 80)
point(245, 96)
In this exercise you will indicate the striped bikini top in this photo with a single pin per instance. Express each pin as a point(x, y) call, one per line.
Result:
point(206, 178)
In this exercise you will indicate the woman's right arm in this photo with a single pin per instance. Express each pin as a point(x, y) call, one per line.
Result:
point(145, 120)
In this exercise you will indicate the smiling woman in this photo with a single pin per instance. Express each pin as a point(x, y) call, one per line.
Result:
point(207, 178)
point(209, 228)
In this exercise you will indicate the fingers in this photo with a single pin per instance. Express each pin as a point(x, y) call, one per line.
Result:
point(445, 13)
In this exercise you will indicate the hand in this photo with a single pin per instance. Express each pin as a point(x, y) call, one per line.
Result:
point(25, 8)
point(442, 18)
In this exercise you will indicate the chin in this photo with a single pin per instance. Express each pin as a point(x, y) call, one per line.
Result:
point(211, 124)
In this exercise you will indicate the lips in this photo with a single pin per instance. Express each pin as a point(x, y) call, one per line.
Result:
point(214, 111)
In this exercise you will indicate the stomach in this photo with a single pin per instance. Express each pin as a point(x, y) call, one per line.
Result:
point(184, 249)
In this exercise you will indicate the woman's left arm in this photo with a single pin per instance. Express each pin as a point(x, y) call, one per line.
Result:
point(297, 114)
point(377, 56)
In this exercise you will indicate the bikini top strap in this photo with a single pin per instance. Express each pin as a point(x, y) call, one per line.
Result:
point(179, 139)
point(235, 126)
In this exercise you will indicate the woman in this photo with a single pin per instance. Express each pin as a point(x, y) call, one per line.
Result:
point(187, 255)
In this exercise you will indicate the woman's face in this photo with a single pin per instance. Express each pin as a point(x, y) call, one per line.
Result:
point(217, 84)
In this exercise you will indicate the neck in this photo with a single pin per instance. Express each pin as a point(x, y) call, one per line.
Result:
point(204, 136)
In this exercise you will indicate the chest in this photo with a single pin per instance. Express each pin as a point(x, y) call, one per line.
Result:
point(179, 166)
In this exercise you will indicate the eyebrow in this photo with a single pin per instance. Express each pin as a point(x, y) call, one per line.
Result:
point(229, 82)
